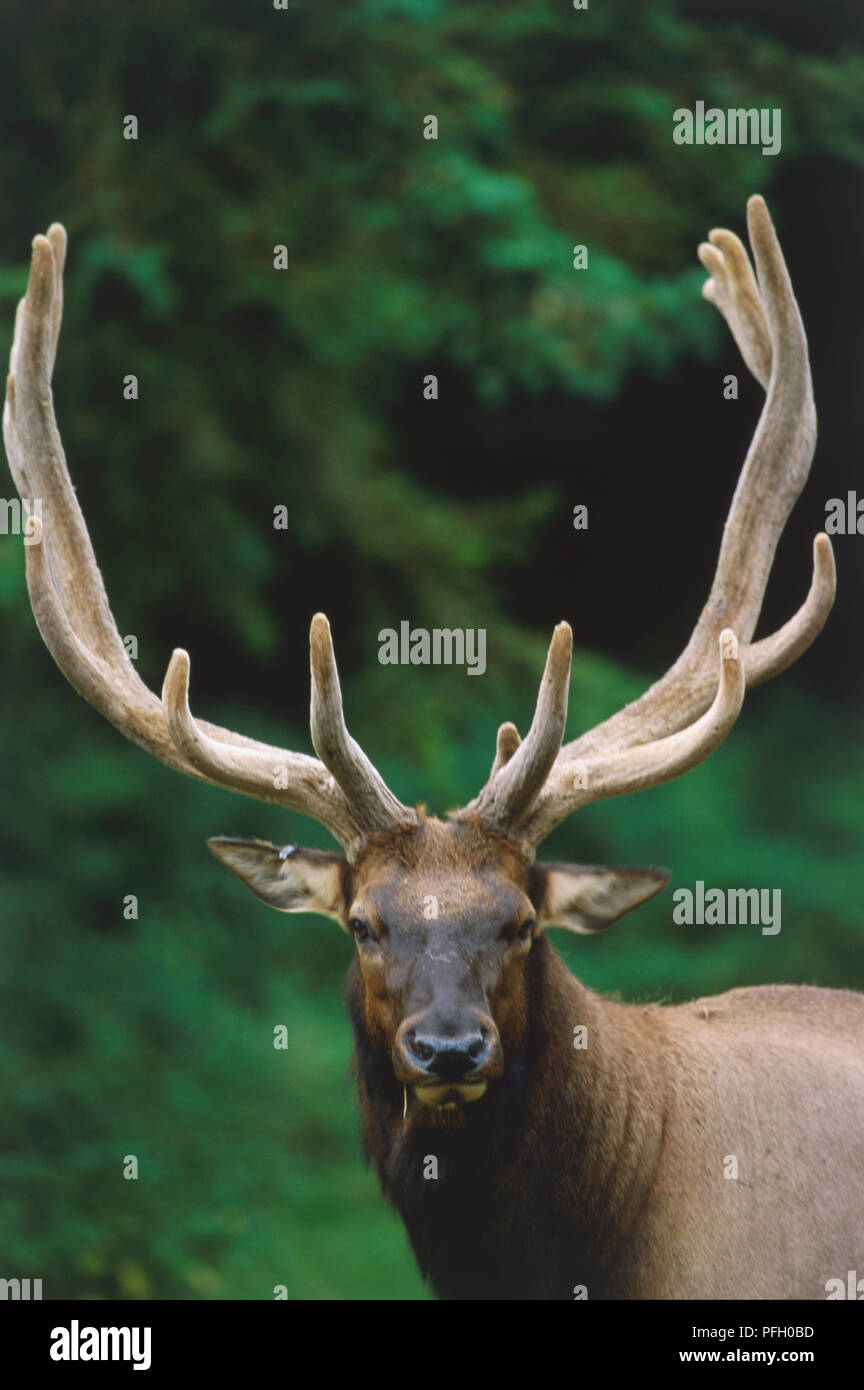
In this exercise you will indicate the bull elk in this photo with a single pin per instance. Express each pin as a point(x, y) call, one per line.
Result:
point(598, 1169)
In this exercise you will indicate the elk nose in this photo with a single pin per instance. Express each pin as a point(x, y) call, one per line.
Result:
point(448, 1058)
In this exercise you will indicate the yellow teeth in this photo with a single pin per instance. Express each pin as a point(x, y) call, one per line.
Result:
point(443, 1093)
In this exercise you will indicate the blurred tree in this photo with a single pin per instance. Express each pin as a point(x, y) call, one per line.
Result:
point(303, 127)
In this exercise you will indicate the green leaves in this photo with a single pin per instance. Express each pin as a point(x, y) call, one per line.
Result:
point(303, 388)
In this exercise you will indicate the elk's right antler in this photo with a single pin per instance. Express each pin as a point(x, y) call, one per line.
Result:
point(686, 714)
point(343, 790)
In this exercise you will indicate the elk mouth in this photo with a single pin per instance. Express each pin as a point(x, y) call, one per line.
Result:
point(443, 1093)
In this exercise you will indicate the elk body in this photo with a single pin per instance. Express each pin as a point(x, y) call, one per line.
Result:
point(559, 1171)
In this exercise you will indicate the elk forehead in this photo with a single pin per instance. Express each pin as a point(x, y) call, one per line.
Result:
point(455, 872)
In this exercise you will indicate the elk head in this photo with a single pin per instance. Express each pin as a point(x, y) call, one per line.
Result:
point(444, 914)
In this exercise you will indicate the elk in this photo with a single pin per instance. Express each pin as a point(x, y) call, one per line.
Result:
point(561, 1171)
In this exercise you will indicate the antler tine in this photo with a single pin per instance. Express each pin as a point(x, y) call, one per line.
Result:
point(650, 764)
point(732, 289)
point(772, 654)
point(265, 773)
point(74, 616)
point(36, 452)
point(635, 748)
point(506, 743)
point(514, 785)
point(372, 801)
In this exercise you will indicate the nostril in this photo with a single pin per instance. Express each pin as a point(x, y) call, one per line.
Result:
point(447, 1057)
point(422, 1050)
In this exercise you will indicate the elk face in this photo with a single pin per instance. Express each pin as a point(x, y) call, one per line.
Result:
point(443, 918)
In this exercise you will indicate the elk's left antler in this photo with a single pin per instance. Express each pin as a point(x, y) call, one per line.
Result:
point(686, 714)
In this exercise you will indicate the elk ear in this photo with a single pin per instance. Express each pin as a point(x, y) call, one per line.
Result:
point(289, 879)
point(588, 899)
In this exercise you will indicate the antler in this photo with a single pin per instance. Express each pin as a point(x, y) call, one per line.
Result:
point(686, 714)
point(343, 790)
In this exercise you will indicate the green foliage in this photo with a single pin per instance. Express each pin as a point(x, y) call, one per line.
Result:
point(303, 127)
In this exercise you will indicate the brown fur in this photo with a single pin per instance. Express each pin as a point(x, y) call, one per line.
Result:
point(604, 1167)
point(607, 1168)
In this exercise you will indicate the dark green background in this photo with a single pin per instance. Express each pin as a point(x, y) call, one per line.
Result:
point(303, 388)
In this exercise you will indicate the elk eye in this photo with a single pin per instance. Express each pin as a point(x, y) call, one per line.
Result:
point(359, 929)
point(524, 931)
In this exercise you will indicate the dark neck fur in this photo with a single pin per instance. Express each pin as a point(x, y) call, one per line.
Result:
point(540, 1187)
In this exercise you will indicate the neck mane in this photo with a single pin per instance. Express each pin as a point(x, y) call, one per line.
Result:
point(540, 1184)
